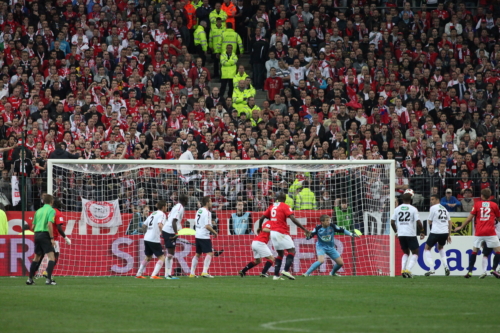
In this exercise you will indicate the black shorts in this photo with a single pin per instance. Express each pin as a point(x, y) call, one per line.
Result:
point(169, 243)
point(408, 242)
point(203, 246)
point(436, 238)
point(43, 244)
point(151, 248)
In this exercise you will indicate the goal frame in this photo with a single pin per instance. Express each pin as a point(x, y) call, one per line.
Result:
point(391, 163)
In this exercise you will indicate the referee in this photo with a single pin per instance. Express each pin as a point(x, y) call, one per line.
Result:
point(44, 239)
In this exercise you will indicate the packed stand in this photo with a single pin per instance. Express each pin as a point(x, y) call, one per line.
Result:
point(417, 83)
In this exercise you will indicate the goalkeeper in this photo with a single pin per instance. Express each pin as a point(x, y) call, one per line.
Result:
point(325, 244)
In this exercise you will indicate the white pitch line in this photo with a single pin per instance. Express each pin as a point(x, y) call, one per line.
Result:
point(272, 325)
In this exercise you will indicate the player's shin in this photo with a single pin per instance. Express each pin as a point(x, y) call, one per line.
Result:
point(313, 267)
point(158, 266)
point(267, 265)
point(412, 261)
point(277, 266)
point(472, 261)
point(444, 257)
point(428, 259)
point(496, 260)
point(50, 268)
point(206, 264)
point(289, 261)
point(194, 263)
point(168, 265)
point(485, 263)
point(404, 260)
point(34, 267)
point(336, 267)
point(144, 263)
point(250, 265)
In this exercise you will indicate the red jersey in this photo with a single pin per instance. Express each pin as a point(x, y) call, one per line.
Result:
point(58, 220)
point(278, 213)
point(485, 213)
point(263, 236)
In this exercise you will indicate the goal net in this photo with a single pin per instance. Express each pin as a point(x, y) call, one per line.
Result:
point(105, 203)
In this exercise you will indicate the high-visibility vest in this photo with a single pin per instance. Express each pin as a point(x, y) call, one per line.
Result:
point(200, 38)
point(214, 41)
point(228, 65)
point(237, 78)
point(231, 13)
point(191, 15)
point(197, 5)
point(213, 18)
point(240, 99)
point(230, 37)
point(248, 110)
point(305, 199)
point(255, 123)
point(289, 201)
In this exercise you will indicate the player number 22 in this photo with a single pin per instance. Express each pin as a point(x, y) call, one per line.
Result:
point(404, 216)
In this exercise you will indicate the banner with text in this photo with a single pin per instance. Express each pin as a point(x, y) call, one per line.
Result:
point(121, 255)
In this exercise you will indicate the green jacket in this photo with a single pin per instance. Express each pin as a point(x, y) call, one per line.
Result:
point(230, 37)
point(248, 110)
point(305, 199)
point(228, 65)
point(240, 98)
point(200, 38)
point(344, 219)
point(237, 78)
point(214, 40)
point(4, 223)
point(213, 18)
point(289, 201)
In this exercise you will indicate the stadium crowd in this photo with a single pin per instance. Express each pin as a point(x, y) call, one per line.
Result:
point(414, 82)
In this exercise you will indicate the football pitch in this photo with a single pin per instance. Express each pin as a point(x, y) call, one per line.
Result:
point(251, 304)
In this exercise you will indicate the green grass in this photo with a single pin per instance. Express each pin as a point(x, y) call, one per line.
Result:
point(252, 304)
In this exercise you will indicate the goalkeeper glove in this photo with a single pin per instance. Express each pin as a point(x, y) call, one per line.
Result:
point(68, 241)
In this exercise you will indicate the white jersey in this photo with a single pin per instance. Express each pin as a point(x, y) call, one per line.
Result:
point(203, 218)
point(296, 74)
point(177, 213)
point(188, 168)
point(406, 217)
point(497, 229)
point(153, 232)
point(439, 217)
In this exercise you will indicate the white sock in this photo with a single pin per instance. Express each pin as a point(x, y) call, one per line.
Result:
point(413, 260)
point(444, 258)
point(206, 264)
point(403, 261)
point(486, 261)
point(428, 260)
point(144, 263)
point(158, 266)
point(194, 263)
point(168, 266)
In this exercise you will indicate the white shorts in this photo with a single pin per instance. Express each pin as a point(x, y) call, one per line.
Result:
point(281, 241)
point(56, 247)
point(491, 241)
point(260, 250)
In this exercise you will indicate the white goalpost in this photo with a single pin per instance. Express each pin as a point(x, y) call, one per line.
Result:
point(106, 201)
